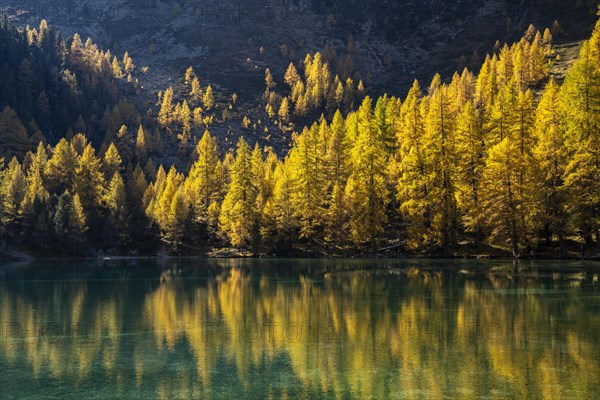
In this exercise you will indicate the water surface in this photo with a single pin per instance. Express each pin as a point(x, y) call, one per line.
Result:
point(276, 329)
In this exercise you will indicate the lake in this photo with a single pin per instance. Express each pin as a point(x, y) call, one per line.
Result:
point(299, 329)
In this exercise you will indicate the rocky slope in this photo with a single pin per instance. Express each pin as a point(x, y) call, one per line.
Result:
point(230, 43)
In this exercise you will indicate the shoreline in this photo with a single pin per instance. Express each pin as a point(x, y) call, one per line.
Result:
point(27, 258)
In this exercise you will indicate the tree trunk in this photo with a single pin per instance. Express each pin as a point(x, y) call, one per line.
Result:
point(561, 243)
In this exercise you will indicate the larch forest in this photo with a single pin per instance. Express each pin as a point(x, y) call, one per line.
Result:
point(502, 159)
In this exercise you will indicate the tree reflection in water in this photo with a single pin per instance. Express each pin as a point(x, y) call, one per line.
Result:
point(301, 329)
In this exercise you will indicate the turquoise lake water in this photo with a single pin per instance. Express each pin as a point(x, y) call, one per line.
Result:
point(299, 329)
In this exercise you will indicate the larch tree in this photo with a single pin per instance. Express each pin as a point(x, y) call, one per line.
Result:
point(502, 195)
point(137, 187)
point(284, 110)
point(384, 124)
point(196, 92)
point(269, 81)
point(125, 143)
point(165, 114)
point(523, 120)
point(366, 188)
point(499, 122)
point(337, 218)
point(77, 219)
point(69, 219)
point(111, 163)
point(238, 212)
point(291, 75)
point(36, 192)
point(60, 218)
point(520, 66)
point(282, 205)
point(338, 152)
point(581, 102)
point(470, 162)
point(141, 146)
point(413, 184)
point(486, 86)
point(165, 186)
point(176, 218)
point(14, 140)
point(505, 66)
point(208, 98)
point(116, 203)
point(185, 118)
point(117, 71)
point(60, 168)
point(14, 187)
point(189, 75)
point(440, 154)
point(203, 185)
point(128, 64)
point(89, 182)
point(550, 158)
point(306, 169)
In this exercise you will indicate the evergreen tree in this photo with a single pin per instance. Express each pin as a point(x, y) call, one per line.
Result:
point(196, 92)
point(503, 201)
point(14, 140)
point(141, 147)
point(208, 99)
point(77, 219)
point(337, 217)
point(176, 220)
point(88, 181)
point(128, 64)
point(14, 188)
point(366, 188)
point(61, 215)
point(238, 212)
point(189, 75)
point(550, 163)
point(35, 191)
point(116, 203)
point(413, 184)
point(185, 118)
point(308, 194)
point(112, 162)
point(470, 162)
point(60, 168)
point(203, 185)
point(138, 186)
point(500, 120)
point(282, 205)
point(384, 124)
point(291, 76)
point(337, 156)
point(269, 81)
point(284, 110)
point(581, 102)
point(440, 154)
point(165, 115)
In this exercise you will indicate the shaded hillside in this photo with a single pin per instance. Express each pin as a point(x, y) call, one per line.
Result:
point(491, 163)
point(230, 45)
point(223, 37)
point(51, 88)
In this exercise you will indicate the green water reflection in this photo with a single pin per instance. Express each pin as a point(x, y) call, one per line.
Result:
point(299, 329)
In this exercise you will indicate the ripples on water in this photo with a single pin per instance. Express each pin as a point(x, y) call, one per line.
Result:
point(299, 329)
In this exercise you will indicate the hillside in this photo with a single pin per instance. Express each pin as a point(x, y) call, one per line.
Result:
point(499, 158)
point(230, 44)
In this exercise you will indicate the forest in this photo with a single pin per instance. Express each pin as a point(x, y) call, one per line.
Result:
point(499, 160)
